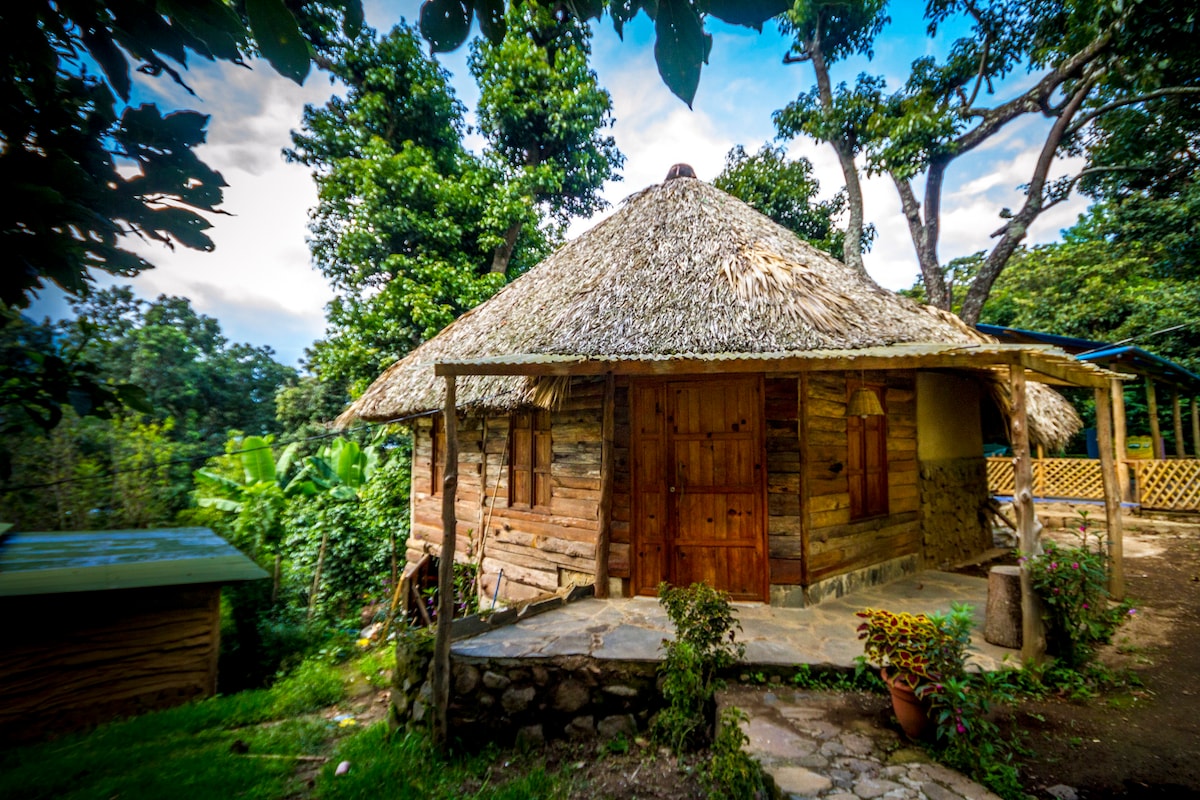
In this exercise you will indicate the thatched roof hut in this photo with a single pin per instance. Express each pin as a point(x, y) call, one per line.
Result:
point(689, 392)
point(681, 268)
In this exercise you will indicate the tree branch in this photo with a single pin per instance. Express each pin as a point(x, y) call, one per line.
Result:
point(1128, 101)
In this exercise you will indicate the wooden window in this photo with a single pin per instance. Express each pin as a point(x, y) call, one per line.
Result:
point(866, 462)
point(437, 455)
point(529, 460)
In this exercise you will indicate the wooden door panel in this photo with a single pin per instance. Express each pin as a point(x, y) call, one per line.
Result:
point(698, 475)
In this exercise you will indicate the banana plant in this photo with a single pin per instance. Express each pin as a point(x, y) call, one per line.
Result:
point(259, 497)
point(341, 469)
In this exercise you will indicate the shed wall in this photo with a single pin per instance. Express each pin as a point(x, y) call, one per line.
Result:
point(74, 660)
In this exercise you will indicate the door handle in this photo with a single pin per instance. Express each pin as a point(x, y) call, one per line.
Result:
point(671, 489)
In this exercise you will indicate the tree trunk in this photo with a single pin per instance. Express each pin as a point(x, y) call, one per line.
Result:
point(445, 616)
point(504, 252)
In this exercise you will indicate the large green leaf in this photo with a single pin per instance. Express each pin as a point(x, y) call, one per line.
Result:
point(445, 23)
point(681, 47)
point(220, 503)
point(279, 38)
point(257, 460)
point(749, 13)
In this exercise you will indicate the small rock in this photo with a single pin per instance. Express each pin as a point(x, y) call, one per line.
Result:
point(466, 678)
point(342, 768)
point(516, 700)
point(869, 788)
point(1061, 791)
point(618, 725)
point(541, 675)
point(935, 791)
point(801, 781)
point(581, 728)
point(620, 690)
point(570, 696)
point(907, 755)
point(494, 680)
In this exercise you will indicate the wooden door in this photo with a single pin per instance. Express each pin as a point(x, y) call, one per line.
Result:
point(699, 485)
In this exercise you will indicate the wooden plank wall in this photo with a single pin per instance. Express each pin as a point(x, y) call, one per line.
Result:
point(785, 543)
point(539, 551)
point(74, 660)
point(836, 544)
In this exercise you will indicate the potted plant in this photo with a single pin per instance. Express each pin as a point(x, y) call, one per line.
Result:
point(916, 654)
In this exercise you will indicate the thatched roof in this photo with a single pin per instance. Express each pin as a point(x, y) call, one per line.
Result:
point(682, 267)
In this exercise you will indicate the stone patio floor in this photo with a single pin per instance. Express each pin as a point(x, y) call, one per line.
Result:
point(820, 636)
point(812, 744)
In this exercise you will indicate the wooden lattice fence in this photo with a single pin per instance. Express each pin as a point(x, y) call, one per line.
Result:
point(1161, 485)
point(1171, 485)
point(1077, 478)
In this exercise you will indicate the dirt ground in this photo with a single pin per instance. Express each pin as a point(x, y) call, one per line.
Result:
point(1144, 742)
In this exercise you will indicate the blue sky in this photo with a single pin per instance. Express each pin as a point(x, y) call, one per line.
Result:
point(260, 284)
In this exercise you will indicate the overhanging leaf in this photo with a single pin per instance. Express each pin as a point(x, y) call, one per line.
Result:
point(750, 13)
point(279, 38)
point(681, 47)
point(445, 23)
point(491, 19)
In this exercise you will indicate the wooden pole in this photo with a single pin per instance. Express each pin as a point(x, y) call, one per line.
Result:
point(441, 644)
point(1119, 443)
point(1152, 411)
point(1177, 419)
point(1033, 633)
point(607, 469)
point(1195, 430)
point(1112, 498)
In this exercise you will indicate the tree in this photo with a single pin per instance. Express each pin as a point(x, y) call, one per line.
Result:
point(1090, 60)
point(786, 192)
point(411, 229)
point(67, 127)
point(827, 32)
point(185, 367)
point(544, 114)
point(681, 46)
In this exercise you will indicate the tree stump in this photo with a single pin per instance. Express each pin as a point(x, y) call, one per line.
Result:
point(1002, 625)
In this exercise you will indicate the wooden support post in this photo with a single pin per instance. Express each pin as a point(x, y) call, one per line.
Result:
point(607, 470)
point(1039, 473)
point(1152, 412)
point(1177, 419)
point(441, 644)
point(1119, 443)
point(1033, 633)
point(1195, 430)
point(1112, 498)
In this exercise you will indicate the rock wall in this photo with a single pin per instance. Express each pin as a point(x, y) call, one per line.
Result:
point(954, 521)
point(509, 701)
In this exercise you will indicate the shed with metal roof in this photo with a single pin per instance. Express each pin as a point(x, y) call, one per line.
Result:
point(105, 624)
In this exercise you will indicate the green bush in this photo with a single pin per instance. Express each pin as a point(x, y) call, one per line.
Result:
point(731, 773)
point(704, 645)
point(1072, 583)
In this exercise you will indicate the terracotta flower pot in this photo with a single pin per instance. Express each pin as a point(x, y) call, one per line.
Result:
point(911, 712)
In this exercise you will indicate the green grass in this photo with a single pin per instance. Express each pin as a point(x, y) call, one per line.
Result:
point(208, 749)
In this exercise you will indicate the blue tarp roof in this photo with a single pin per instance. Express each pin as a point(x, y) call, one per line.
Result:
point(1122, 358)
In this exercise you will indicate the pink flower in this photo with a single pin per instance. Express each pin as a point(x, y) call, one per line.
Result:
point(1132, 611)
point(1086, 606)
point(961, 728)
point(1075, 565)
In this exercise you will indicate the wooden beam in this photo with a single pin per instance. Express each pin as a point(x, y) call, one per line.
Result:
point(1112, 497)
point(1152, 412)
point(1033, 633)
point(1177, 419)
point(1069, 374)
point(607, 474)
point(1119, 443)
point(1195, 429)
point(441, 645)
point(805, 478)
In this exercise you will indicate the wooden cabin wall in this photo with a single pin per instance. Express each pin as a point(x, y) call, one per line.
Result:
point(836, 544)
point(538, 551)
point(77, 659)
point(785, 540)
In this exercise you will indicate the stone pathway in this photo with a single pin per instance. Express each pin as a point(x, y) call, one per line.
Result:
point(828, 745)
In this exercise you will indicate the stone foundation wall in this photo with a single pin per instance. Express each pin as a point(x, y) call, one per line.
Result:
point(509, 701)
point(954, 520)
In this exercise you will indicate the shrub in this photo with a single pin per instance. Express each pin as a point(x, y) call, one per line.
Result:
point(731, 773)
point(704, 645)
point(1072, 583)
